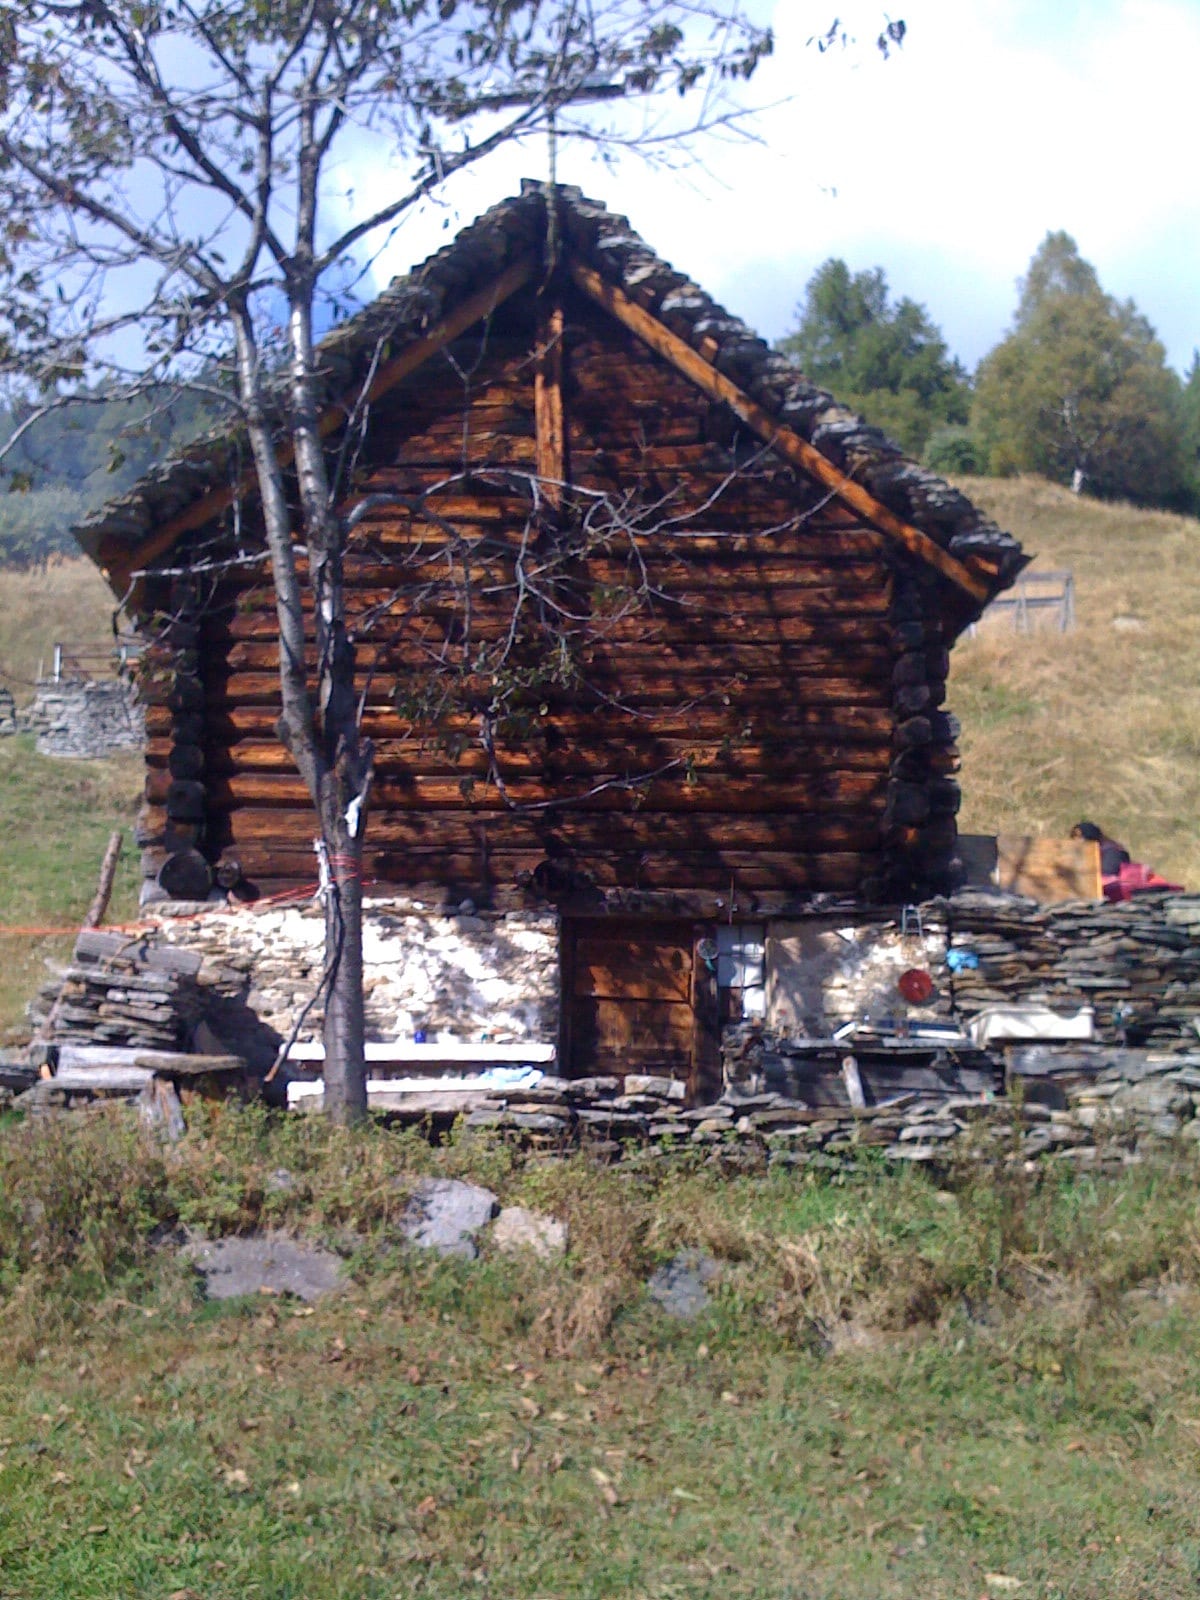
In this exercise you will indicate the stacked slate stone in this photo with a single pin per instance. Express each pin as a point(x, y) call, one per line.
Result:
point(1136, 963)
point(1138, 1102)
point(122, 992)
point(608, 1115)
point(87, 719)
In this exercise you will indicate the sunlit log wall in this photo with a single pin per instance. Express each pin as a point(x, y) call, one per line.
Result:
point(765, 721)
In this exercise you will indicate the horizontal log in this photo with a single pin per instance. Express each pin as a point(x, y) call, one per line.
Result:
point(777, 718)
point(825, 697)
point(767, 583)
point(794, 613)
point(576, 833)
point(626, 649)
point(821, 675)
point(395, 758)
point(747, 870)
point(261, 798)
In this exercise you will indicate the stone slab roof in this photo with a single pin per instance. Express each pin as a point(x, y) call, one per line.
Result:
point(515, 230)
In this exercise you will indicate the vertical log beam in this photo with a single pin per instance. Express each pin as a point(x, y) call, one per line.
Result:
point(920, 833)
point(551, 456)
point(172, 673)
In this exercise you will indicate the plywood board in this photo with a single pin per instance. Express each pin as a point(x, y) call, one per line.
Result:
point(1048, 869)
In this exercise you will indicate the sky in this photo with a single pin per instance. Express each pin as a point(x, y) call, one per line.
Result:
point(997, 122)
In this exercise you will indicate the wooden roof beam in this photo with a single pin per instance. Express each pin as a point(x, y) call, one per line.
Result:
point(785, 441)
point(474, 308)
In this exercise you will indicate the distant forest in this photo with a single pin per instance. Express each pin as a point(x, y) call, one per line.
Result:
point(74, 459)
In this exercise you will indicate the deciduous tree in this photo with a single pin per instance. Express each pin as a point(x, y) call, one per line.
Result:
point(1080, 389)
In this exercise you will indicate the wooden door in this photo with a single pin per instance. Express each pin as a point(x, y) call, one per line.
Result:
point(640, 997)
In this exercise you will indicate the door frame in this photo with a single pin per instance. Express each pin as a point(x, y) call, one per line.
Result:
point(704, 1079)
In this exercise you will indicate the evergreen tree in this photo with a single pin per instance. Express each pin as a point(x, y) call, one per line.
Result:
point(1080, 389)
point(1189, 425)
point(886, 360)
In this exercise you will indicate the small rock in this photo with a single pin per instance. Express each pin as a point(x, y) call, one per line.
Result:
point(1164, 1126)
point(281, 1181)
point(272, 1262)
point(910, 1152)
point(537, 1121)
point(679, 1288)
point(1153, 1097)
point(518, 1229)
point(929, 1130)
point(446, 1214)
point(665, 1088)
point(594, 1088)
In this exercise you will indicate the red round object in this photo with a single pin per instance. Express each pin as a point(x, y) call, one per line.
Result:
point(915, 985)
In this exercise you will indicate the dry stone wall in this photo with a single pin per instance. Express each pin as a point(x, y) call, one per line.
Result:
point(86, 719)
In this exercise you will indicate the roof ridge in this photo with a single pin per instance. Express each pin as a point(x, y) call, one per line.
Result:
point(412, 302)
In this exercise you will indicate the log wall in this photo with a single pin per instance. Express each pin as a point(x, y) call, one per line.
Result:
point(761, 716)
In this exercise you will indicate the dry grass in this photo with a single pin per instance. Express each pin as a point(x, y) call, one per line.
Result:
point(1103, 722)
point(67, 602)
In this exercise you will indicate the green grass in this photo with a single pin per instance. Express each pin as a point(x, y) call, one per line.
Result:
point(900, 1388)
point(55, 819)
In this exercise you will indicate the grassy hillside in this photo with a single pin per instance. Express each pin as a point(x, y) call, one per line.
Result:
point(1102, 722)
point(55, 819)
point(67, 602)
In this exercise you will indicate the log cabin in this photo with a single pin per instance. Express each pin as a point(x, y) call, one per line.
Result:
point(651, 632)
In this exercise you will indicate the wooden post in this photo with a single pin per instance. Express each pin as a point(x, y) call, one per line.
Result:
point(104, 888)
point(548, 407)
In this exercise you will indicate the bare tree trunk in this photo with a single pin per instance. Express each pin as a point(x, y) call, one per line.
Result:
point(345, 1027)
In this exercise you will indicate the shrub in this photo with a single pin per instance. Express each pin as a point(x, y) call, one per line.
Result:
point(957, 451)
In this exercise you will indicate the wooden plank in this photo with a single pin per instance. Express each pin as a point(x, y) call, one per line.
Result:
point(693, 366)
point(633, 969)
point(633, 1035)
point(471, 310)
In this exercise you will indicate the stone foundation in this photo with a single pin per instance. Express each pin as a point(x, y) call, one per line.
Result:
point(488, 977)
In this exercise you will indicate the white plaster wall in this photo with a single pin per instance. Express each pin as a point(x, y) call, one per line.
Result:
point(466, 978)
point(822, 973)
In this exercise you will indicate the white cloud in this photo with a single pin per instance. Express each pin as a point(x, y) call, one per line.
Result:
point(946, 165)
